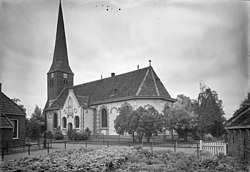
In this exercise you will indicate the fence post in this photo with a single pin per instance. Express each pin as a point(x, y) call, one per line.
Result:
point(28, 149)
point(65, 145)
point(103, 139)
point(175, 145)
point(2, 153)
point(48, 148)
point(128, 144)
point(7, 145)
point(198, 151)
point(108, 143)
point(38, 143)
point(23, 145)
point(86, 143)
point(151, 147)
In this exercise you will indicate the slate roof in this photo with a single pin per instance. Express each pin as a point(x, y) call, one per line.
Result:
point(7, 106)
point(141, 83)
point(241, 119)
point(5, 122)
point(60, 58)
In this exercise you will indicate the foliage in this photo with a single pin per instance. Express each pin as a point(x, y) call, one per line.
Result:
point(180, 116)
point(58, 135)
point(18, 101)
point(122, 159)
point(33, 129)
point(82, 135)
point(49, 134)
point(34, 124)
point(150, 122)
point(209, 110)
point(83, 159)
point(143, 122)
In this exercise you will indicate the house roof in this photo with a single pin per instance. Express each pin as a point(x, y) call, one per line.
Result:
point(241, 119)
point(7, 106)
point(141, 83)
point(5, 122)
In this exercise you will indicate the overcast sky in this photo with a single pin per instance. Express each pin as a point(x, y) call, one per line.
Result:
point(187, 41)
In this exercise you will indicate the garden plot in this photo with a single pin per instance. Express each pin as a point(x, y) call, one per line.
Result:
point(121, 159)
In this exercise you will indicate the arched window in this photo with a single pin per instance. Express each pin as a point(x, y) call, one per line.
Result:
point(104, 118)
point(77, 122)
point(64, 122)
point(55, 119)
point(70, 106)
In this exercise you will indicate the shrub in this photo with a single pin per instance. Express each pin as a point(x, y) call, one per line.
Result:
point(74, 135)
point(208, 137)
point(49, 135)
point(58, 135)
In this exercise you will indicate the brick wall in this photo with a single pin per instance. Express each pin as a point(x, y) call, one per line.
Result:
point(6, 135)
point(239, 143)
point(21, 128)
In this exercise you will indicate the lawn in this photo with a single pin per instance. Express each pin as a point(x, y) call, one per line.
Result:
point(122, 159)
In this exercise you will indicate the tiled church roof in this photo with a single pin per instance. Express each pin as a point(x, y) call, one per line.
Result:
point(141, 83)
point(240, 120)
point(7, 106)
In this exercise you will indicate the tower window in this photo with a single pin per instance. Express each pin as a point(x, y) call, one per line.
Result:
point(52, 75)
point(51, 82)
point(65, 75)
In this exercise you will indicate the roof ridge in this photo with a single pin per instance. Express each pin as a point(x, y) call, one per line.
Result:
point(141, 84)
point(157, 90)
point(109, 77)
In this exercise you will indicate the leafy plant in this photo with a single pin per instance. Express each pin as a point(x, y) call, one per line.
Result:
point(58, 135)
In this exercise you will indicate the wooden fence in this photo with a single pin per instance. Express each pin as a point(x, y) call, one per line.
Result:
point(215, 148)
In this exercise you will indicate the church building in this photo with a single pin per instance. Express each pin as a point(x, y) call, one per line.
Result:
point(96, 104)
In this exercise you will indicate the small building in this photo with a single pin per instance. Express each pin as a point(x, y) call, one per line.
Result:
point(12, 121)
point(238, 134)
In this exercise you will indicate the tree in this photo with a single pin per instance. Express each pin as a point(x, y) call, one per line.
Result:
point(143, 122)
point(209, 110)
point(35, 123)
point(120, 123)
point(150, 122)
point(180, 116)
point(18, 102)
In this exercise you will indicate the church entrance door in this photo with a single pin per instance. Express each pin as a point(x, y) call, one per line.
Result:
point(70, 126)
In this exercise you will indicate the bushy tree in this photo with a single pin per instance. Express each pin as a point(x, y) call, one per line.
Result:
point(180, 116)
point(209, 110)
point(35, 123)
point(143, 122)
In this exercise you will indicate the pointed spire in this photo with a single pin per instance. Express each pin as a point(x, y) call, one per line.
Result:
point(60, 58)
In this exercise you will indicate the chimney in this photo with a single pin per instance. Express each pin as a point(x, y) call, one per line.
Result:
point(112, 74)
point(0, 87)
point(138, 67)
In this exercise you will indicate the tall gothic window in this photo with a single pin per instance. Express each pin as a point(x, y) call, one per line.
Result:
point(77, 122)
point(70, 106)
point(104, 118)
point(64, 122)
point(55, 120)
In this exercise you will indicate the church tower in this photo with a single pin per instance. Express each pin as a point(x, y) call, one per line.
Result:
point(60, 75)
